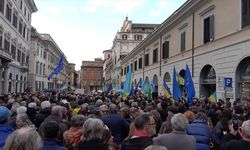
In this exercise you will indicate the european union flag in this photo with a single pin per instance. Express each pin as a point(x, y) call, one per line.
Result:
point(127, 82)
point(176, 88)
point(58, 68)
point(189, 85)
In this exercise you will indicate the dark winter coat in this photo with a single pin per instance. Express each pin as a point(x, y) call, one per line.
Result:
point(41, 116)
point(137, 143)
point(95, 144)
point(52, 144)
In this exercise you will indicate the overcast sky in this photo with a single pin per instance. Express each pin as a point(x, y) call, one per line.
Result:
point(84, 28)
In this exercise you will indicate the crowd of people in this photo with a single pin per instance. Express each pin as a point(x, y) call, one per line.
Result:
point(108, 121)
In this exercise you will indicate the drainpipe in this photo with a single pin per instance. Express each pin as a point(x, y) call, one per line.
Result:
point(193, 47)
point(160, 55)
point(143, 63)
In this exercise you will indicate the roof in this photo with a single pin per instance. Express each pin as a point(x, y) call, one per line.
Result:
point(140, 25)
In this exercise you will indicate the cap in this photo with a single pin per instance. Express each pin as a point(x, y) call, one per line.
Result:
point(4, 113)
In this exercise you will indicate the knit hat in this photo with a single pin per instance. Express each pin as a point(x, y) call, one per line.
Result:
point(4, 113)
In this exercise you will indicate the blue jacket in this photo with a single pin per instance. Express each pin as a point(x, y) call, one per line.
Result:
point(117, 125)
point(5, 131)
point(200, 130)
point(52, 144)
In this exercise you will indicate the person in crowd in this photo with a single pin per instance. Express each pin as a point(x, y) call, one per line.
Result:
point(200, 130)
point(108, 139)
point(31, 111)
point(92, 135)
point(242, 144)
point(57, 116)
point(144, 129)
point(221, 128)
point(23, 139)
point(166, 126)
point(117, 125)
point(103, 110)
point(155, 147)
point(5, 128)
point(21, 110)
point(44, 113)
point(177, 139)
point(157, 119)
point(190, 115)
point(164, 112)
point(22, 120)
point(72, 136)
point(50, 133)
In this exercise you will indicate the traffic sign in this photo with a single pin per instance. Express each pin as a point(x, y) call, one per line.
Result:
point(228, 82)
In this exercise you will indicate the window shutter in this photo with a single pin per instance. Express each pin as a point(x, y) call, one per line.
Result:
point(211, 29)
point(183, 41)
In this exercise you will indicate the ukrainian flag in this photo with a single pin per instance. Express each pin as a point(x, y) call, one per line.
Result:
point(180, 80)
point(212, 97)
point(166, 90)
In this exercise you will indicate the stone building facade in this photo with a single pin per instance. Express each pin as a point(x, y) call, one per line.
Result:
point(92, 75)
point(209, 36)
point(15, 31)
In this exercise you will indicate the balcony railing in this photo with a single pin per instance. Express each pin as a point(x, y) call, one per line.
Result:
point(5, 55)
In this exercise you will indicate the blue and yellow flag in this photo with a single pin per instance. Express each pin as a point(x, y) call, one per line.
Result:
point(176, 88)
point(180, 80)
point(166, 90)
point(212, 97)
point(189, 85)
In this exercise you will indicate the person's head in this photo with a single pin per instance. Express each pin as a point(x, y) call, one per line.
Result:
point(103, 110)
point(201, 116)
point(5, 113)
point(22, 139)
point(45, 104)
point(113, 108)
point(179, 122)
point(190, 115)
point(32, 105)
point(78, 120)
point(50, 130)
point(22, 120)
point(156, 147)
point(57, 110)
point(93, 129)
point(246, 129)
point(145, 122)
point(21, 110)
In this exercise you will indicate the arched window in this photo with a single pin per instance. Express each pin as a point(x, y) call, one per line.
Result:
point(124, 36)
point(167, 77)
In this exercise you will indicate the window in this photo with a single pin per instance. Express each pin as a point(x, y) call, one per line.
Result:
point(131, 66)
point(25, 11)
point(122, 72)
point(125, 71)
point(137, 37)
point(24, 31)
point(2, 6)
point(155, 55)
point(43, 69)
point(19, 56)
point(27, 59)
point(165, 51)
point(6, 45)
point(37, 67)
point(183, 41)
point(13, 51)
point(124, 37)
point(208, 31)
point(37, 50)
point(20, 27)
point(8, 12)
point(14, 22)
point(146, 61)
point(21, 5)
point(135, 65)
point(140, 63)
point(1, 38)
point(44, 54)
point(23, 58)
point(245, 10)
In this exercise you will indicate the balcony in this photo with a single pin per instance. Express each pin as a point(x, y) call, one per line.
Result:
point(5, 56)
point(24, 67)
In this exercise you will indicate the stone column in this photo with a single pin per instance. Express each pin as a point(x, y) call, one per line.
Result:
point(6, 80)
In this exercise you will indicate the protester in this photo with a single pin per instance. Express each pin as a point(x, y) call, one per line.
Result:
point(5, 128)
point(92, 135)
point(178, 139)
point(50, 132)
point(23, 139)
point(144, 128)
point(22, 120)
point(43, 114)
point(108, 139)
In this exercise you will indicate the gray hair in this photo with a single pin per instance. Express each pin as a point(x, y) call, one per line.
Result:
point(78, 120)
point(179, 122)
point(25, 120)
point(15, 106)
point(24, 138)
point(103, 106)
point(45, 104)
point(32, 105)
point(98, 103)
point(21, 110)
point(246, 128)
point(93, 129)
point(113, 108)
point(156, 147)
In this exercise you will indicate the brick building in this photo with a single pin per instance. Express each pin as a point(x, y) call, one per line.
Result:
point(91, 75)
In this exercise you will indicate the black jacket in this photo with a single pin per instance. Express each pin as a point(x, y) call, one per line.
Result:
point(137, 143)
point(95, 144)
point(41, 116)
